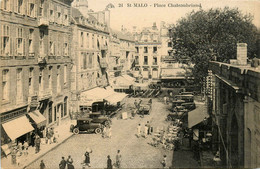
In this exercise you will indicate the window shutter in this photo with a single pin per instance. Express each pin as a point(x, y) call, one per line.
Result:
point(11, 46)
point(24, 52)
point(2, 4)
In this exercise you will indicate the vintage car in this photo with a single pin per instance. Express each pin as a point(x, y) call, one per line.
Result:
point(97, 117)
point(145, 109)
point(86, 124)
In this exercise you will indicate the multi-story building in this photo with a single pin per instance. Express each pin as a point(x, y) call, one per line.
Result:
point(35, 65)
point(89, 50)
point(236, 114)
point(148, 52)
point(123, 49)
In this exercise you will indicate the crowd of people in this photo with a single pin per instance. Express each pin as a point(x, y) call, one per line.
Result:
point(86, 161)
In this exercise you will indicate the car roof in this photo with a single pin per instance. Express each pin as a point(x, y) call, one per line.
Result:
point(84, 117)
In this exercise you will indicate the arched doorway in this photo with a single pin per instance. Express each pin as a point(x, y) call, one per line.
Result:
point(234, 156)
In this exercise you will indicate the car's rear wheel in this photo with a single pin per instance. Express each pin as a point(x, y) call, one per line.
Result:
point(76, 131)
point(98, 131)
point(169, 118)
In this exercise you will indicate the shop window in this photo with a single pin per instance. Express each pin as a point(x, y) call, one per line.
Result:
point(5, 84)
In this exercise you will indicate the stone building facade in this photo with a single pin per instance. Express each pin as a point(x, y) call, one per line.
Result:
point(89, 53)
point(122, 48)
point(35, 62)
point(236, 114)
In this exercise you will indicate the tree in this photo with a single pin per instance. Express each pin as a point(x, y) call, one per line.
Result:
point(212, 35)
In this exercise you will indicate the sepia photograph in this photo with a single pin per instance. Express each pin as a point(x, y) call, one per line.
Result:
point(129, 84)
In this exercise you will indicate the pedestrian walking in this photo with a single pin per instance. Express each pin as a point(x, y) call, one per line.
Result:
point(104, 133)
point(138, 130)
point(70, 163)
point(165, 99)
point(118, 159)
point(52, 135)
point(109, 132)
point(42, 165)
point(145, 131)
point(25, 146)
point(63, 163)
point(164, 161)
point(48, 135)
point(37, 144)
point(87, 159)
point(109, 162)
point(20, 148)
point(55, 137)
point(149, 128)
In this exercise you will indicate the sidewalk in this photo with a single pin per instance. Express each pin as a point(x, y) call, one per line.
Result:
point(64, 134)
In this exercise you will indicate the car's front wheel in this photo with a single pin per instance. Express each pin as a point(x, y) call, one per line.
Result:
point(98, 131)
point(76, 131)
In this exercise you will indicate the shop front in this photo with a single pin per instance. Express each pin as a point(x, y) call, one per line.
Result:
point(15, 130)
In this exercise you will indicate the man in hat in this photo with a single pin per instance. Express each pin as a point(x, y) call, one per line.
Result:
point(109, 162)
point(63, 163)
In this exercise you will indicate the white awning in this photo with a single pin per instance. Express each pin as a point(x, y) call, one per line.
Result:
point(17, 127)
point(198, 115)
point(94, 95)
point(38, 118)
point(115, 98)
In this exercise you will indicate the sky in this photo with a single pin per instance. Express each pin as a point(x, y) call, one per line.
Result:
point(145, 16)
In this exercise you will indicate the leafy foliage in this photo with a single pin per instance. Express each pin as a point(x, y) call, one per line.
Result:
point(212, 35)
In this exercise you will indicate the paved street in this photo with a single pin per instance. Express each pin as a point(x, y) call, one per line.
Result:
point(136, 152)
